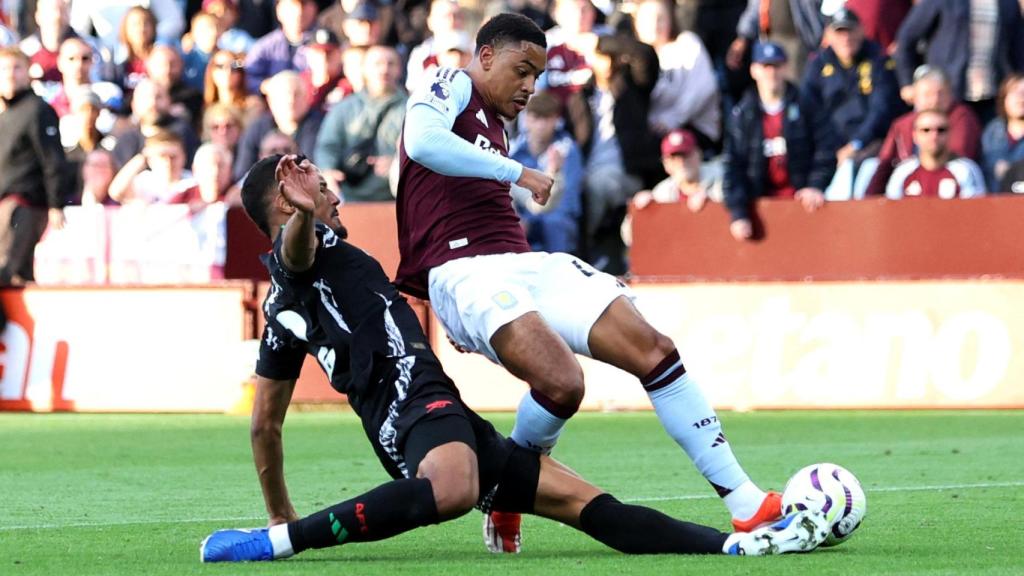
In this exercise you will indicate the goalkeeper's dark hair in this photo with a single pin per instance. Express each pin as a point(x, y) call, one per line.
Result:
point(509, 27)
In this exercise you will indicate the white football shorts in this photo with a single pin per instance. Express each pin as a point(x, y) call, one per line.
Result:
point(475, 296)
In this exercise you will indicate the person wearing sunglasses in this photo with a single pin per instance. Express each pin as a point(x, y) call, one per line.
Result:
point(935, 171)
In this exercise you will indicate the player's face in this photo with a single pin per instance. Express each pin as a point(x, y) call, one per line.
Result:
point(328, 210)
point(512, 72)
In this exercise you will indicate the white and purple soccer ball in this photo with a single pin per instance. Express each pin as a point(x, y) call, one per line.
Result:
point(831, 489)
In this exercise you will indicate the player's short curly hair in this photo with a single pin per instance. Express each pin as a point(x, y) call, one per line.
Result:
point(259, 182)
point(509, 27)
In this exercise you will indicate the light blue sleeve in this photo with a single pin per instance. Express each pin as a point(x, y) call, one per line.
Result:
point(429, 139)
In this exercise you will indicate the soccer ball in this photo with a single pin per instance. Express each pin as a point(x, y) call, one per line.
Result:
point(832, 489)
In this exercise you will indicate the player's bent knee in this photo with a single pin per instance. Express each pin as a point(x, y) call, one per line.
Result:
point(565, 389)
point(453, 475)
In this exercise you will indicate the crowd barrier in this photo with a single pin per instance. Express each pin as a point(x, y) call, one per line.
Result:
point(873, 304)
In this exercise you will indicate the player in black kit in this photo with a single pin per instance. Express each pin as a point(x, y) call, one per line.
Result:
point(333, 301)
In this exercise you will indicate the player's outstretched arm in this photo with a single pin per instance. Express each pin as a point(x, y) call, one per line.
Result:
point(299, 183)
point(268, 412)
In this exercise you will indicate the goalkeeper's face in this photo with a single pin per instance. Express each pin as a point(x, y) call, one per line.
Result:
point(512, 71)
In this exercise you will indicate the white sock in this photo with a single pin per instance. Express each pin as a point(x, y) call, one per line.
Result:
point(280, 541)
point(744, 501)
point(536, 428)
point(693, 424)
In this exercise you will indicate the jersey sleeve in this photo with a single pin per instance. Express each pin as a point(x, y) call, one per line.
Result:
point(280, 357)
point(429, 140)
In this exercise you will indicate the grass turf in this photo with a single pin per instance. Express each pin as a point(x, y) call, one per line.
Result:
point(134, 494)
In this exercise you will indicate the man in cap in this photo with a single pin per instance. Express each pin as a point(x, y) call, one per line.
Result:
point(852, 81)
point(323, 74)
point(776, 146)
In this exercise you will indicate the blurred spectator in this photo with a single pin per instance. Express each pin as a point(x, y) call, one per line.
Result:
point(352, 66)
point(43, 47)
point(202, 43)
point(256, 18)
point(277, 142)
point(686, 93)
point(444, 18)
point(323, 76)
point(358, 138)
point(106, 18)
point(164, 66)
point(977, 43)
point(881, 19)
point(211, 169)
point(796, 25)
point(137, 39)
point(1003, 141)
point(157, 175)
point(536, 10)
point(80, 136)
point(75, 62)
point(232, 38)
point(619, 155)
point(931, 92)
point(776, 146)
point(226, 84)
point(544, 145)
point(222, 125)
point(935, 171)
point(7, 37)
point(97, 173)
point(571, 48)
point(151, 113)
point(31, 169)
point(1013, 180)
point(361, 25)
point(689, 179)
point(280, 50)
point(853, 84)
point(454, 50)
point(289, 112)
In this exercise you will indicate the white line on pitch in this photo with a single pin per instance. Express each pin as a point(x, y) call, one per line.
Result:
point(258, 520)
point(930, 488)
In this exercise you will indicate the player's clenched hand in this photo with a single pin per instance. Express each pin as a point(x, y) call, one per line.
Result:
point(299, 183)
point(538, 183)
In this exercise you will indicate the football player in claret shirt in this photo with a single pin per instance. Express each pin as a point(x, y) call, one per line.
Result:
point(463, 248)
point(331, 300)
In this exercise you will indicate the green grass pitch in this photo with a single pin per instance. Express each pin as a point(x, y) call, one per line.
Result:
point(134, 494)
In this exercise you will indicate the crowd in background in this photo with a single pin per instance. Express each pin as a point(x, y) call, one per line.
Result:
point(170, 101)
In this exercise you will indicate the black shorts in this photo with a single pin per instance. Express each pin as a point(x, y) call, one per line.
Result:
point(430, 415)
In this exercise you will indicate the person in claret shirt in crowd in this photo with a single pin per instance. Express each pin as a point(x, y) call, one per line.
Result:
point(931, 92)
point(323, 77)
point(977, 42)
point(935, 171)
point(776, 146)
point(43, 47)
point(444, 18)
point(137, 39)
point(1003, 141)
